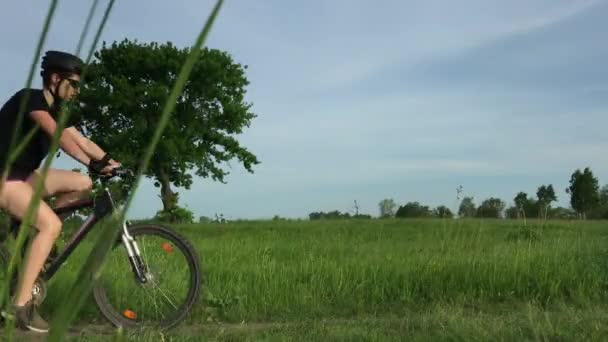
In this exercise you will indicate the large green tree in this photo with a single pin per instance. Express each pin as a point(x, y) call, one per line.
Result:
point(126, 88)
point(584, 191)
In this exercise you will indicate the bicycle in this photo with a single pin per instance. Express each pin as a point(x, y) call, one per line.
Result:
point(123, 308)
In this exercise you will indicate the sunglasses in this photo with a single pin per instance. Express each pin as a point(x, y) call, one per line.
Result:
point(74, 83)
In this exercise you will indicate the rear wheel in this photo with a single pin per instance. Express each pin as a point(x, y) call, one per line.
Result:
point(172, 286)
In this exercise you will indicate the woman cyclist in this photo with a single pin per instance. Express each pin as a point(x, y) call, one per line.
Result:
point(60, 77)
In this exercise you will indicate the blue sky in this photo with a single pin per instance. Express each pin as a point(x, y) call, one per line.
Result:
point(366, 100)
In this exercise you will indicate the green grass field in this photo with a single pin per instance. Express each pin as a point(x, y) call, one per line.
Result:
point(389, 280)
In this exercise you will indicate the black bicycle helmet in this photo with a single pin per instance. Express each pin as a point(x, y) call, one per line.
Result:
point(61, 62)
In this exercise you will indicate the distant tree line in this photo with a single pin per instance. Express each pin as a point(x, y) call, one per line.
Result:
point(587, 201)
point(333, 215)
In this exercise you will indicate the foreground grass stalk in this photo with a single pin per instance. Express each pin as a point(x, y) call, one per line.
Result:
point(86, 27)
point(4, 294)
point(81, 288)
point(170, 104)
point(61, 124)
point(90, 271)
point(28, 83)
point(35, 203)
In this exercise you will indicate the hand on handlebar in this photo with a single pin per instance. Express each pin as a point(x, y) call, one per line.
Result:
point(114, 172)
point(107, 171)
point(108, 168)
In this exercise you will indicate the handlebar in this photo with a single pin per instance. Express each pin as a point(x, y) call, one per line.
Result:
point(120, 171)
point(116, 172)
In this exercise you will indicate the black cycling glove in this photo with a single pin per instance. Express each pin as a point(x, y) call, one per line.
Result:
point(98, 165)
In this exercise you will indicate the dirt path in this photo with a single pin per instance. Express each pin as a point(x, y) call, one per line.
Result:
point(183, 330)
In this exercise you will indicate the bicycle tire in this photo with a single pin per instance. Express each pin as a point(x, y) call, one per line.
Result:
point(192, 258)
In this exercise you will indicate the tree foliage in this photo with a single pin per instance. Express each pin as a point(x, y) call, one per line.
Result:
point(467, 207)
point(175, 214)
point(491, 208)
point(546, 195)
point(603, 197)
point(387, 207)
point(442, 212)
point(413, 209)
point(125, 90)
point(335, 215)
point(526, 207)
point(584, 191)
point(521, 203)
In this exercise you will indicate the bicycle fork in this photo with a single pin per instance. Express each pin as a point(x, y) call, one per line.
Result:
point(137, 264)
point(103, 207)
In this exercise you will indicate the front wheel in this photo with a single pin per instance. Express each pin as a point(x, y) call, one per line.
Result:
point(171, 287)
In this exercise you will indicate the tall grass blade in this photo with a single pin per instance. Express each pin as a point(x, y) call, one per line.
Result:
point(4, 294)
point(177, 90)
point(45, 29)
point(86, 27)
point(93, 266)
point(82, 286)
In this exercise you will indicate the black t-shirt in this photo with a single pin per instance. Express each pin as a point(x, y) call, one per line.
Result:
point(38, 148)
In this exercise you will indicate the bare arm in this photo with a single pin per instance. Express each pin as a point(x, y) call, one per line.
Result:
point(66, 141)
point(88, 146)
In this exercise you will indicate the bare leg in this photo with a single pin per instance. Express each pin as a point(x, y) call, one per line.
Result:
point(15, 198)
point(68, 185)
point(69, 197)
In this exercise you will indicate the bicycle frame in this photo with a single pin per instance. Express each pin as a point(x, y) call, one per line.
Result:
point(102, 205)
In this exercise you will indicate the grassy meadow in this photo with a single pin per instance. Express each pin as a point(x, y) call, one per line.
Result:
point(380, 280)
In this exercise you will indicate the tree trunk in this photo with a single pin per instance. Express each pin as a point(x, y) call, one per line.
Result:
point(167, 195)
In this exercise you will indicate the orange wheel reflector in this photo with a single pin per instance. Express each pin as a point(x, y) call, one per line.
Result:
point(129, 314)
point(167, 247)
